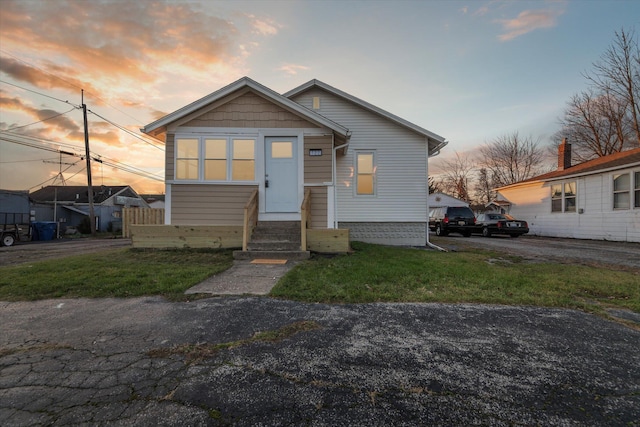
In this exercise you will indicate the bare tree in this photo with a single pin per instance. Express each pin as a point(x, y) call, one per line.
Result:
point(510, 158)
point(456, 175)
point(618, 74)
point(434, 186)
point(595, 124)
point(605, 119)
point(484, 192)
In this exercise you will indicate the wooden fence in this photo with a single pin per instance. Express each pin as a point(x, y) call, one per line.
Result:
point(140, 216)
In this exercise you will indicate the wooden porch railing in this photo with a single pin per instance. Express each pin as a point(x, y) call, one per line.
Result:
point(305, 219)
point(250, 218)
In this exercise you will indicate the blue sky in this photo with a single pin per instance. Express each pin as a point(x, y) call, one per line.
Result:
point(467, 70)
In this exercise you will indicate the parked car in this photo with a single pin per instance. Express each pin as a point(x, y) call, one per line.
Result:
point(452, 219)
point(495, 223)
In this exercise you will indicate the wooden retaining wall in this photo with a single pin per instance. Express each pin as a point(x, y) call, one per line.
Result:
point(330, 241)
point(186, 236)
point(147, 216)
point(225, 236)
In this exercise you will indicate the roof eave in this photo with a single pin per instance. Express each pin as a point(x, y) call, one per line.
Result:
point(364, 104)
point(159, 126)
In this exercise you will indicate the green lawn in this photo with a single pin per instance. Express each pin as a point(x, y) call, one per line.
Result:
point(371, 273)
point(378, 273)
point(116, 273)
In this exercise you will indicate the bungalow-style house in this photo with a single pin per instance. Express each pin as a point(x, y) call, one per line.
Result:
point(313, 150)
point(69, 204)
point(598, 199)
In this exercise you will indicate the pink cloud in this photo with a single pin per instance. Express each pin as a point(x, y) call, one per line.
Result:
point(528, 21)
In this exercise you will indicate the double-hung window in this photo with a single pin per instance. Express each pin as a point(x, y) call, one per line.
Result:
point(365, 173)
point(215, 159)
point(621, 191)
point(563, 197)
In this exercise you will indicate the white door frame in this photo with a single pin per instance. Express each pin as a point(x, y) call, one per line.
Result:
point(263, 215)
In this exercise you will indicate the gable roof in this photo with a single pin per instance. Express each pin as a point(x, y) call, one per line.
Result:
point(159, 126)
point(78, 193)
point(436, 142)
point(614, 161)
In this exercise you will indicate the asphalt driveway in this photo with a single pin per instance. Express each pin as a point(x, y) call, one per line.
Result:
point(118, 362)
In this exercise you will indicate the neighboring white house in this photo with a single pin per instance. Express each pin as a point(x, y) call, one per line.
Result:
point(366, 168)
point(437, 200)
point(598, 199)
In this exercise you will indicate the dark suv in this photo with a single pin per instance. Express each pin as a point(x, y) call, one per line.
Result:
point(451, 219)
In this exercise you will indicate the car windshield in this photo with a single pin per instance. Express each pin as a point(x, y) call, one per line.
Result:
point(464, 212)
point(496, 216)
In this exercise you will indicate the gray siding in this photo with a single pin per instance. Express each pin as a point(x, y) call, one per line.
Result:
point(193, 204)
point(401, 174)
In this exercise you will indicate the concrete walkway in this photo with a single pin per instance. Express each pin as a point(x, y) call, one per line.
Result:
point(255, 277)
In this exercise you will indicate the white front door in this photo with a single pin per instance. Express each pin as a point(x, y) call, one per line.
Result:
point(281, 174)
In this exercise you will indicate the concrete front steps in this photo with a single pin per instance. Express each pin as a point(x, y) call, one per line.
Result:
point(274, 240)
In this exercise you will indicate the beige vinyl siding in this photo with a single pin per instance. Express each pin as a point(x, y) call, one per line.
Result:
point(193, 204)
point(169, 157)
point(318, 207)
point(249, 111)
point(401, 166)
point(317, 169)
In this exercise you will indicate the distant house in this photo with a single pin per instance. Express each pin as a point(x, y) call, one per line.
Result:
point(598, 199)
point(437, 200)
point(69, 204)
point(365, 169)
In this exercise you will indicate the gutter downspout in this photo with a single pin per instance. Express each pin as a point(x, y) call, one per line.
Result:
point(429, 244)
point(335, 178)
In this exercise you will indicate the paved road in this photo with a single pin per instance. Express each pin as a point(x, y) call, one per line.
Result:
point(110, 362)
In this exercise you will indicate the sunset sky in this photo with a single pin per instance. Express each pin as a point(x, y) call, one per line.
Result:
point(470, 71)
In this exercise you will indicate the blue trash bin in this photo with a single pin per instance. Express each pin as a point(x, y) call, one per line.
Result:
point(44, 230)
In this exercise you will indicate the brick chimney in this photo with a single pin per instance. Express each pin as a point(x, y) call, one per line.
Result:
point(564, 155)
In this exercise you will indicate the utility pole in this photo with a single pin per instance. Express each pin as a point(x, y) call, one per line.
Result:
point(92, 216)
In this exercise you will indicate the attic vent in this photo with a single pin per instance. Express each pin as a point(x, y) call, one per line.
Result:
point(316, 102)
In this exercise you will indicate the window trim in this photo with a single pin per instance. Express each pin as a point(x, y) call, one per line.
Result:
point(202, 158)
point(627, 191)
point(636, 189)
point(563, 197)
point(373, 174)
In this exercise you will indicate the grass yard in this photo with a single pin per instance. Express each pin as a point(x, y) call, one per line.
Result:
point(371, 273)
point(115, 273)
point(379, 273)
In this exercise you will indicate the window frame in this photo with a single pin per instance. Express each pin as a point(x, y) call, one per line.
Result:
point(357, 173)
point(203, 158)
point(563, 197)
point(636, 189)
point(626, 191)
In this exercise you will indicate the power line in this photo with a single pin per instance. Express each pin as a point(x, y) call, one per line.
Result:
point(122, 128)
point(39, 93)
point(105, 160)
point(43, 120)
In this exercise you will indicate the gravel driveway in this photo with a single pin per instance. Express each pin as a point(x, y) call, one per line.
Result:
point(623, 255)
